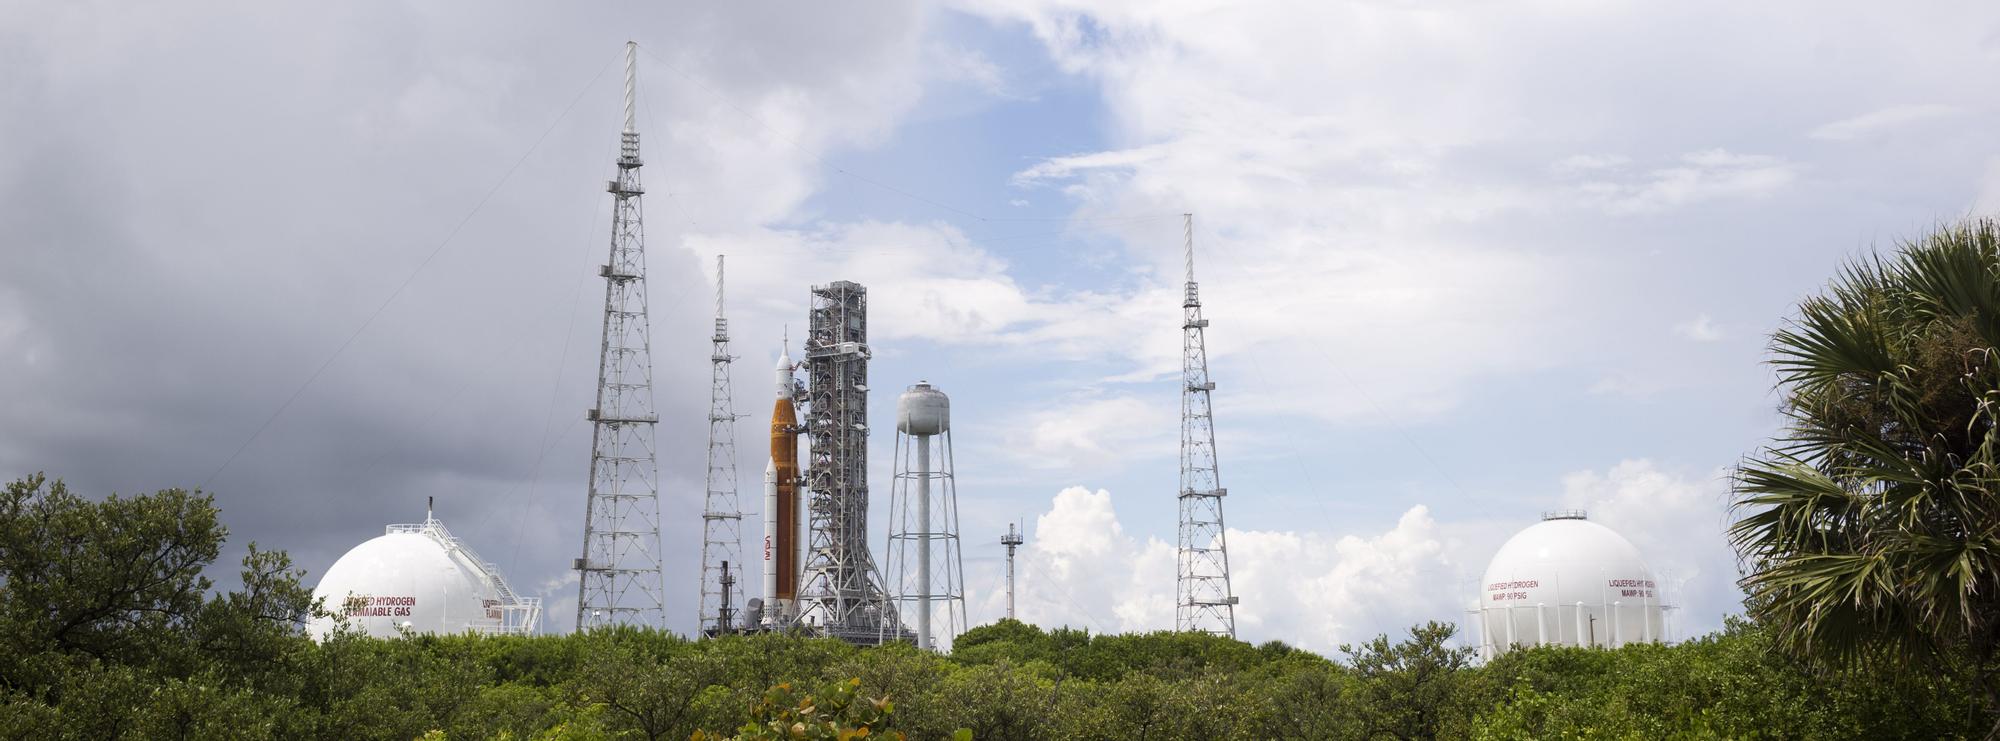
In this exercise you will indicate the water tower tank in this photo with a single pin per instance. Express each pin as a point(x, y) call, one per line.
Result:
point(1568, 581)
point(923, 410)
point(419, 579)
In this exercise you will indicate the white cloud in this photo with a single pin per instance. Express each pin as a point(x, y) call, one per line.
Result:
point(1706, 175)
point(1308, 589)
point(945, 288)
point(1082, 568)
point(1372, 186)
point(1098, 433)
point(1878, 121)
point(951, 63)
point(1062, 168)
point(1699, 329)
point(1582, 163)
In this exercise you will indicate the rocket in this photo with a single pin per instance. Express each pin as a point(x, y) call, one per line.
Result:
point(781, 500)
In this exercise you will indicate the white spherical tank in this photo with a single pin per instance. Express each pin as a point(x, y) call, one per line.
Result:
point(418, 578)
point(1572, 582)
point(923, 410)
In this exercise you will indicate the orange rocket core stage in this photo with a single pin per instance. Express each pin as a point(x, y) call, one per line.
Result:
point(785, 459)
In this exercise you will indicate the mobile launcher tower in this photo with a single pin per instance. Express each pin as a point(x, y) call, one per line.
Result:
point(840, 590)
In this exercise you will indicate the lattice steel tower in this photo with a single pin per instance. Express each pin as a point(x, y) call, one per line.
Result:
point(840, 590)
point(721, 518)
point(620, 578)
point(1204, 601)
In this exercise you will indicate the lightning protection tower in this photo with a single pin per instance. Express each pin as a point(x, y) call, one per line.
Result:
point(840, 591)
point(1012, 540)
point(923, 511)
point(721, 517)
point(1204, 601)
point(620, 578)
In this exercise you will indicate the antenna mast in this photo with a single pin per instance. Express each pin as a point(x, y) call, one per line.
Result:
point(1204, 601)
point(722, 518)
point(620, 578)
point(1012, 540)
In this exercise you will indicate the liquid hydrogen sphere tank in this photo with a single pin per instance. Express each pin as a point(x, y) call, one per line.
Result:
point(1571, 582)
point(417, 578)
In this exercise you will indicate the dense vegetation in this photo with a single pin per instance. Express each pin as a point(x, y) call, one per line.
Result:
point(1871, 528)
point(110, 631)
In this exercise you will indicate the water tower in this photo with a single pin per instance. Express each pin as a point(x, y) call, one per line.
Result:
point(924, 570)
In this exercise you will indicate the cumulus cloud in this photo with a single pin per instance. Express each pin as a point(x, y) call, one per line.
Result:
point(1082, 567)
point(1311, 589)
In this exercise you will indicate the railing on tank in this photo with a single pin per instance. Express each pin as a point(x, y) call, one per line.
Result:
point(518, 615)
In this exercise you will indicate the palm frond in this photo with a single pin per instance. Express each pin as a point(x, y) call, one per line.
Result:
point(1874, 520)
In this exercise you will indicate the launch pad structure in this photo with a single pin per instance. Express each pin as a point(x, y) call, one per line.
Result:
point(840, 589)
point(821, 578)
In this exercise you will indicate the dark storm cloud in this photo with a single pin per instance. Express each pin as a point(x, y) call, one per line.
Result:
point(202, 204)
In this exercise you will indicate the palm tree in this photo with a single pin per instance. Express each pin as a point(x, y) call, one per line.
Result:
point(1870, 529)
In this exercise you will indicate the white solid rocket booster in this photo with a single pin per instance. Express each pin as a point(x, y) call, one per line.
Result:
point(770, 540)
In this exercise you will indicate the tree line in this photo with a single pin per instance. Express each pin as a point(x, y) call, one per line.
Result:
point(111, 630)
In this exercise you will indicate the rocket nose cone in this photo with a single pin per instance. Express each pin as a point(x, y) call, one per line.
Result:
point(770, 468)
point(784, 362)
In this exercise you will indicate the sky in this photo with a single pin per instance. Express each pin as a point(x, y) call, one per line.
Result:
point(1464, 263)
